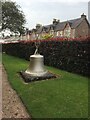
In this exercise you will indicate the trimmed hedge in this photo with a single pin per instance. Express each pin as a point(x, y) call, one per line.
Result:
point(71, 56)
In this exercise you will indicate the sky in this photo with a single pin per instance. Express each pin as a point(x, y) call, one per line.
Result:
point(44, 11)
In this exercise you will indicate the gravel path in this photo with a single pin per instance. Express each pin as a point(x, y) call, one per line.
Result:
point(12, 106)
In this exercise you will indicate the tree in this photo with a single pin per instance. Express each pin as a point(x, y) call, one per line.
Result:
point(0, 11)
point(47, 36)
point(13, 18)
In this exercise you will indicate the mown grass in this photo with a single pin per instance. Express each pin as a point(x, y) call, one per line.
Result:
point(63, 97)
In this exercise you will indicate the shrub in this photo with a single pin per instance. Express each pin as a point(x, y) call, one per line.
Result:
point(66, 54)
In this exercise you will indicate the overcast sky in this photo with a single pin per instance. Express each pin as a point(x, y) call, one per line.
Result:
point(43, 11)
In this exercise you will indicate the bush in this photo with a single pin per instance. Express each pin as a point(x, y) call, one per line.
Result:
point(67, 55)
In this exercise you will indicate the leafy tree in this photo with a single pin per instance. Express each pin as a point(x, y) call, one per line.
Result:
point(13, 17)
point(47, 36)
point(0, 11)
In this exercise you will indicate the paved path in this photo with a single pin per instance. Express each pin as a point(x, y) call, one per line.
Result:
point(12, 107)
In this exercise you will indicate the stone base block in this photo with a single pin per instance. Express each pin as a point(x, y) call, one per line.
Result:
point(29, 78)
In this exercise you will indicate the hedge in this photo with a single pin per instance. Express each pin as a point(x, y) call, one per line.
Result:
point(67, 55)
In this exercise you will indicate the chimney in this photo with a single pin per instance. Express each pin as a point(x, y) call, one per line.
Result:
point(83, 16)
point(38, 26)
point(55, 21)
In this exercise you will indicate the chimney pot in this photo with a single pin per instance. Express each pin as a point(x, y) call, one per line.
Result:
point(83, 16)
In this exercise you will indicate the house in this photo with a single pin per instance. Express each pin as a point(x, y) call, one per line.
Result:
point(74, 28)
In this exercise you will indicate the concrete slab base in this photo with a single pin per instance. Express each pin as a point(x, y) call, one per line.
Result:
point(29, 78)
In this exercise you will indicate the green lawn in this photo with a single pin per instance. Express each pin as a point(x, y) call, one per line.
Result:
point(0, 58)
point(63, 97)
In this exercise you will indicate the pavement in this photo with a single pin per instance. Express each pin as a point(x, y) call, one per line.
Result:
point(11, 104)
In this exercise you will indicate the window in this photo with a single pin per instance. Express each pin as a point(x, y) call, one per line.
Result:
point(52, 32)
point(61, 33)
point(67, 32)
point(57, 33)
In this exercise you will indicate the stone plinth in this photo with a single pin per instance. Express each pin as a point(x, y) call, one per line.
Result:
point(29, 78)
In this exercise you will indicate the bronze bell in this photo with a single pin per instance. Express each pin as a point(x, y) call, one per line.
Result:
point(36, 67)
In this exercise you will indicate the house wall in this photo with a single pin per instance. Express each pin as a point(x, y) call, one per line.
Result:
point(27, 37)
point(51, 32)
point(72, 33)
point(61, 33)
point(58, 34)
point(67, 31)
point(82, 30)
point(30, 37)
point(43, 33)
point(33, 37)
point(39, 36)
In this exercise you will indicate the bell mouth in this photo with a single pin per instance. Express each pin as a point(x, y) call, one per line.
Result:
point(36, 73)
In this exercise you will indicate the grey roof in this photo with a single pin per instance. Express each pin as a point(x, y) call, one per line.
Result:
point(48, 27)
point(73, 24)
point(45, 28)
point(61, 25)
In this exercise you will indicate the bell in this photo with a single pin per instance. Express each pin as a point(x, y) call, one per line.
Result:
point(36, 67)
